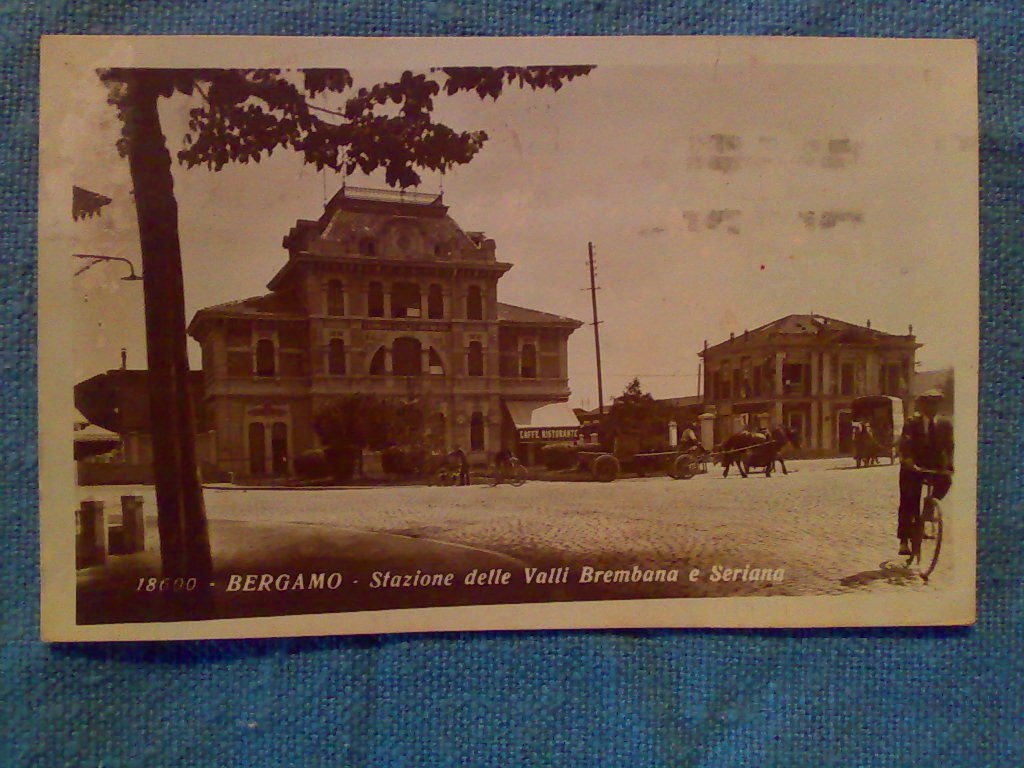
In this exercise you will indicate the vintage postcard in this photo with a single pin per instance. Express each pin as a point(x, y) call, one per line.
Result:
point(347, 336)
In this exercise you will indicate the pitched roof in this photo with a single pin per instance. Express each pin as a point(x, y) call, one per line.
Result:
point(509, 313)
point(818, 326)
point(275, 303)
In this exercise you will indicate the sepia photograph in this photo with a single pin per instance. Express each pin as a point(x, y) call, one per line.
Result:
point(345, 336)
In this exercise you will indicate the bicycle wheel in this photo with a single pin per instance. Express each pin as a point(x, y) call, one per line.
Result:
point(518, 475)
point(928, 543)
point(494, 477)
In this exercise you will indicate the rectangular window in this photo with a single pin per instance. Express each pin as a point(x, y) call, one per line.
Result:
point(846, 379)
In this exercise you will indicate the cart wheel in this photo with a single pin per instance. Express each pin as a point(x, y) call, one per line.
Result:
point(605, 468)
point(683, 468)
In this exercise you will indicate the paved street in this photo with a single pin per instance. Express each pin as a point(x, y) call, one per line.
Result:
point(827, 526)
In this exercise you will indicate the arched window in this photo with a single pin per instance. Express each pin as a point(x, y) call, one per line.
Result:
point(367, 247)
point(476, 431)
point(474, 303)
point(335, 298)
point(336, 357)
point(435, 303)
point(375, 300)
point(405, 300)
point(434, 360)
point(475, 362)
point(265, 357)
point(528, 362)
point(407, 357)
point(378, 365)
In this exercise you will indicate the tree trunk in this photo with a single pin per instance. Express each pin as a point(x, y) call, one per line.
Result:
point(181, 515)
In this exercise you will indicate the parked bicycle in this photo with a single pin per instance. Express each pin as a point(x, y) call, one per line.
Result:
point(509, 471)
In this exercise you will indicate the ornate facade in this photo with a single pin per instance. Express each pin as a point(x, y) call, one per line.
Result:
point(803, 371)
point(383, 294)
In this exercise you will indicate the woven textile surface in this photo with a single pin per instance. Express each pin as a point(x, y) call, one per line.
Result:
point(648, 698)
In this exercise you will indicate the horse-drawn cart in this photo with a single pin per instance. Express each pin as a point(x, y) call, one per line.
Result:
point(878, 422)
point(679, 464)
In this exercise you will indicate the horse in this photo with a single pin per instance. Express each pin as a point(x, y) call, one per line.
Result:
point(755, 449)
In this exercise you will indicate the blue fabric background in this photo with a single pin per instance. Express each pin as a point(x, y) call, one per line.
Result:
point(679, 698)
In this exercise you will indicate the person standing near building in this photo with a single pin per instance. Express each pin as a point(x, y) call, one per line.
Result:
point(926, 444)
point(459, 456)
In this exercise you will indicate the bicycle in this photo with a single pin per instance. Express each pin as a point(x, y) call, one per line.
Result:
point(511, 471)
point(926, 529)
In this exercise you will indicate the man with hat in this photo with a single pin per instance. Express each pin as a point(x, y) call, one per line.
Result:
point(926, 443)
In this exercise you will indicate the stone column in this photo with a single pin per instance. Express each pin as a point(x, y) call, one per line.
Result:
point(92, 534)
point(826, 373)
point(387, 301)
point(815, 389)
point(387, 358)
point(133, 524)
point(813, 441)
point(780, 357)
point(777, 413)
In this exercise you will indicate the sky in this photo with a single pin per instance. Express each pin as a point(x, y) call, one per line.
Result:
point(720, 193)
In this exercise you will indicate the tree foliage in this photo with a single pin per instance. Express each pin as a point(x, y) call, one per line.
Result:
point(636, 416)
point(245, 114)
point(351, 423)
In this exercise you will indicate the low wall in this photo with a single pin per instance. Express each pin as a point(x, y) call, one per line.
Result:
point(114, 473)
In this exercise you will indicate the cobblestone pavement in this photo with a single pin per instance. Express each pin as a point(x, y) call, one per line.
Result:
point(829, 526)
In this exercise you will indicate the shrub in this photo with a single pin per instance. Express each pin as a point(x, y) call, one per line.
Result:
point(402, 460)
point(312, 464)
point(559, 455)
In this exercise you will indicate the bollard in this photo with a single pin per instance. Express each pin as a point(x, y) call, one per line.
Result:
point(92, 534)
point(133, 525)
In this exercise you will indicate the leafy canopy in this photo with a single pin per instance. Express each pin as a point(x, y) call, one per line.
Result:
point(247, 113)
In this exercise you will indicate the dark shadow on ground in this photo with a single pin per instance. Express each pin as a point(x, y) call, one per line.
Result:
point(891, 572)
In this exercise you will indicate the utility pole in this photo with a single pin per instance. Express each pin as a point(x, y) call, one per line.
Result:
point(597, 335)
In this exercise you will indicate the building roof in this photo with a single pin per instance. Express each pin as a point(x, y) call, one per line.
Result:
point(118, 400)
point(510, 313)
point(820, 327)
point(278, 305)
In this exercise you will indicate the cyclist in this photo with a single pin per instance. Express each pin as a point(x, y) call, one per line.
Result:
point(503, 462)
point(926, 444)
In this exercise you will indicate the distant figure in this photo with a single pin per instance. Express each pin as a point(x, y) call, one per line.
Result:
point(926, 443)
point(688, 438)
point(459, 455)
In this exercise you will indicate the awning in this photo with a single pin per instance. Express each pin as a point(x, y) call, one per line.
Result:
point(543, 421)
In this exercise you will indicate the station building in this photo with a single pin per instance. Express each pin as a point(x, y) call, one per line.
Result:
point(803, 372)
point(383, 294)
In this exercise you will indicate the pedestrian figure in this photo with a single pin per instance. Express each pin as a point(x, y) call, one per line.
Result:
point(459, 455)
point(926, 443)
